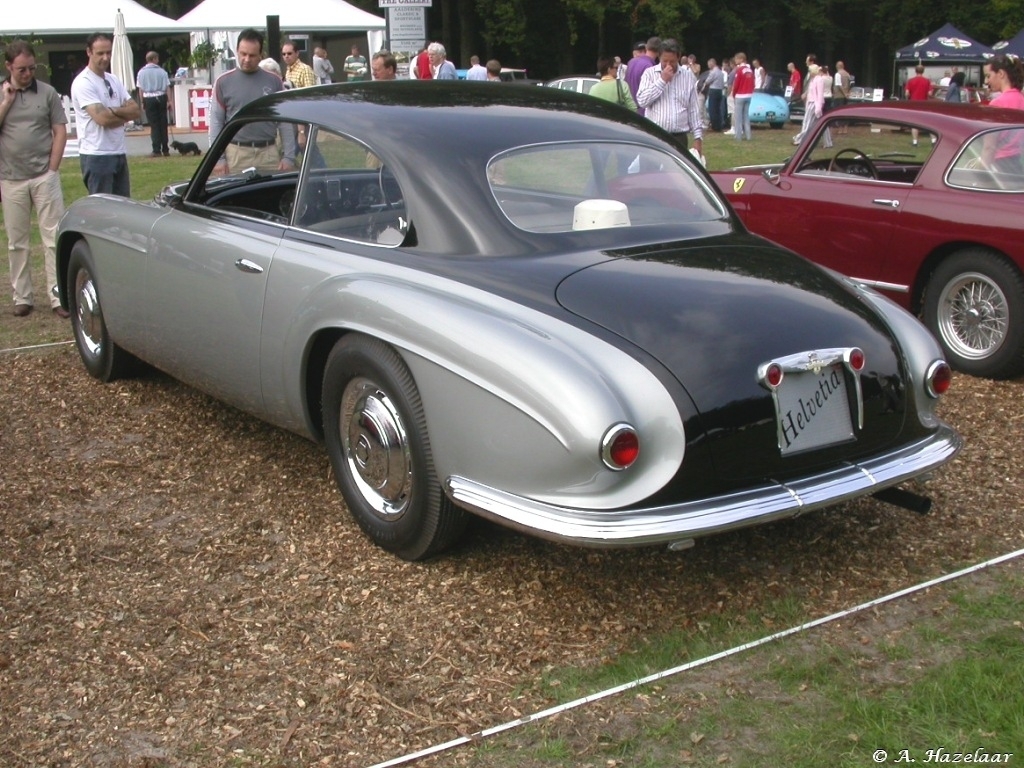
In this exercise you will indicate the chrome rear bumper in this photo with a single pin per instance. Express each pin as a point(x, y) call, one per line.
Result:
point(702, 517)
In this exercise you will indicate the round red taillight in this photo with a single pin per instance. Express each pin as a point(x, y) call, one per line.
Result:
point(620, 447)
point(939, 378)
point(857, 360)
point(773, 375)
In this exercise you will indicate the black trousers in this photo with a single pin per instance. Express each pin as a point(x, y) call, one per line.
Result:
point(156, 116)
point(716, 108)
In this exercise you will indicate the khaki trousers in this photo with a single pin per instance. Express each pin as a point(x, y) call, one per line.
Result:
point(266, 159)
point(19, 198)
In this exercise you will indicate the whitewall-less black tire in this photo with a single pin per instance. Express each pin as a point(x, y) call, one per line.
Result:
point(376, 435)
point(100, 355)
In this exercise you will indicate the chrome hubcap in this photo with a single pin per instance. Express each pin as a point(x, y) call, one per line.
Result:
point(975, 316)
point(376, 448)
point(90, 317)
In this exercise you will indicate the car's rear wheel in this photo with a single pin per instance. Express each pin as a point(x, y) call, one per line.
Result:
point(100, 355)
point(376, 435)
point(975, 307)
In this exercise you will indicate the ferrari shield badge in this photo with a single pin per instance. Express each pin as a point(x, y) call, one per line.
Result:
point(737, 185)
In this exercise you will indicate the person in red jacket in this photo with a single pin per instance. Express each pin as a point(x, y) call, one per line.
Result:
point(742, 92)
point(420, 69)
point(918, 88)
point(796, 82)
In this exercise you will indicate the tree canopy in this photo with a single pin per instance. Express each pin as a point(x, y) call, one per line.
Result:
point(566, 36)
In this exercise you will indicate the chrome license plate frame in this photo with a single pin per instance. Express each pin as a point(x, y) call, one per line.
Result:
point(817, 398)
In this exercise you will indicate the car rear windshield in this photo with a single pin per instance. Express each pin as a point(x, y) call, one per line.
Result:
point(553, 188)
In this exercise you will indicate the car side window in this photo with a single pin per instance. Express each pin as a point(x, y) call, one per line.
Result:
point(268, 146)
point(348, 192)
point(872, 151)
point(993, 161)
point(255, 173)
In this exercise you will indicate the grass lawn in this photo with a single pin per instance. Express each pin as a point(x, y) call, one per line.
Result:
point(914, 681)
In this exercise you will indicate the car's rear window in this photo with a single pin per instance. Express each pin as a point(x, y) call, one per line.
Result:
point(595, 185)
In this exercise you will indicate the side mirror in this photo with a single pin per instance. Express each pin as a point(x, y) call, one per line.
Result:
point(171, 195)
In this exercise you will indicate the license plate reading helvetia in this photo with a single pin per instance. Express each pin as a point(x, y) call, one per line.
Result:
point(813, 410)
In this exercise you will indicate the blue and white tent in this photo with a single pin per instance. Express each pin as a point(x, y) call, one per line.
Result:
point(1014, 46)
point(947, 45)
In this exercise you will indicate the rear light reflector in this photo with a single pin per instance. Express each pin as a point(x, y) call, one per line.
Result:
point(938, 378)
point(620, 447)
point(856, 360)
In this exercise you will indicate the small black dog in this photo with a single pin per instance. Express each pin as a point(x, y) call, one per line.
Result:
point(187, 147)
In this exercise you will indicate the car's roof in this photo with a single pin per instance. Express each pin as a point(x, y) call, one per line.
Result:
point(411, 115)
point(962, 120)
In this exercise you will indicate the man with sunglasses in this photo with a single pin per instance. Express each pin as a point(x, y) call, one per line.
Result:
point(298, 72)
point(102, 108)
point(33, 132)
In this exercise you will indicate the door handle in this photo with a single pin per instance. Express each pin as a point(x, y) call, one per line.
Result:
point(249, 266)
point(886, 203)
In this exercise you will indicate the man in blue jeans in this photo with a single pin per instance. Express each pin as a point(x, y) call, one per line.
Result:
point(102, 108)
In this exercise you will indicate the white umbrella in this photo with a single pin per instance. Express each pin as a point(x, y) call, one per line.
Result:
point(121, 64)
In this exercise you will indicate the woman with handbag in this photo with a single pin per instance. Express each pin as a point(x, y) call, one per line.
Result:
point(611, 88)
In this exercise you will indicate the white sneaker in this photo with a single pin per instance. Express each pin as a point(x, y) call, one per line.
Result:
point(730, 132)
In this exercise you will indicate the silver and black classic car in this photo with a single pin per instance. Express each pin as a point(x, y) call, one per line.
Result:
point(521, 303)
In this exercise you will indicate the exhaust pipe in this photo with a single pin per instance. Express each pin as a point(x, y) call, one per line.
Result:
point(906, 499)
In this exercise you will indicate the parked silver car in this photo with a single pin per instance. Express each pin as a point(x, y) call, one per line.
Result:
point(508, 301)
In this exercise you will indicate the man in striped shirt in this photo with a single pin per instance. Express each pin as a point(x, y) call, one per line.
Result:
point(668, 93)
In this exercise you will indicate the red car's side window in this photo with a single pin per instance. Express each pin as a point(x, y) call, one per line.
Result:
point(993, 160)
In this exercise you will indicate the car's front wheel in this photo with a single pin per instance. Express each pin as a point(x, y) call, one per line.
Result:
point(100, 355)
point(376, 435)
point(975, 307)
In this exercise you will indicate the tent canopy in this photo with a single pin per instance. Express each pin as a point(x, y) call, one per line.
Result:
point(307, 16)
point(1013, 46)
point(945, 45)
point(73, 17)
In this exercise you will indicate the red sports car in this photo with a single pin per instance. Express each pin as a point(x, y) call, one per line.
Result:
point(922, 201)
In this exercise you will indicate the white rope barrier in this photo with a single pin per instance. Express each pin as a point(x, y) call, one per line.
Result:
point(35, 346)
point(480, 735)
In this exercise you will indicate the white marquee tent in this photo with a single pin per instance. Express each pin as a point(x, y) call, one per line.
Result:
point(308, 16)
point(74, 17)
point(220, 21)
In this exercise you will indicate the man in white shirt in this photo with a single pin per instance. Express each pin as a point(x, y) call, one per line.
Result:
point(322, 67)
point(477, 71)
point(102, 108)
point(668, 93)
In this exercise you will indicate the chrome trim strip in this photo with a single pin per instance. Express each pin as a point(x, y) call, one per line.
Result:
point(703, 517)
point(879, 285)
